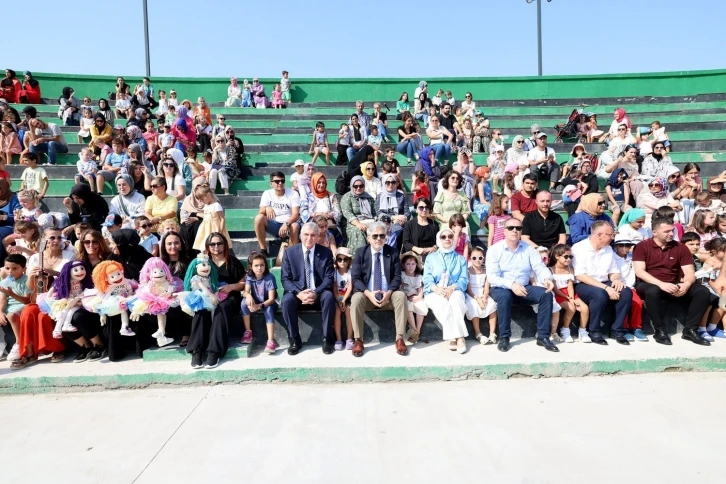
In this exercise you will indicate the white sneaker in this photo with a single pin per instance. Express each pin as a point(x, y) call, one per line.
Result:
point(481, 338)
point(158, 334)
point(492, 339)
point(14, 354)
point(584, 337)
point(163, 341)
point(126, 332)
point(568, 339)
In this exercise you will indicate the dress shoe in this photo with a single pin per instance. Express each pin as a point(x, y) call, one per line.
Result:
point(503, 345)
point(598, 339)
point(621, 339)
point(548, 345)
point(328, 347)
point(661, 336)
point(401, 348)
point(358, 347)
point(294, 348)
point(693, 336)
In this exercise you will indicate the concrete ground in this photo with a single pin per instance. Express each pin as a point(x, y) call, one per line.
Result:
point(626, 429)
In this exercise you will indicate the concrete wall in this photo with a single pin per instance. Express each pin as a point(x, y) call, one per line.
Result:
point(685, 83)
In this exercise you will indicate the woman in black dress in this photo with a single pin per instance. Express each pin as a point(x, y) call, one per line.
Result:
point(173, 251)
point(419, 234)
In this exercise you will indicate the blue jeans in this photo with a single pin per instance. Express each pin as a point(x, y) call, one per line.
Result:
point(422, 116)
point(442, 150)
point(597, 299)
point(382, 130)
point(350, 151)
point(52, 148)
point(535, 295)
point(268, 311)
point(408, 148)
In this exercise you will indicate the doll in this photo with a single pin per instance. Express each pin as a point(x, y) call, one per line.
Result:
point(112, 292)
point(64, 298)
point(155, 296)
point(200, 285)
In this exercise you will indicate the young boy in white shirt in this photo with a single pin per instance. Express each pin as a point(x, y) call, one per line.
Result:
point(623, 255)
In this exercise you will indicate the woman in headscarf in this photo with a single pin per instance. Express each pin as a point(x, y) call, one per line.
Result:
point(363, 155)
point(8, 205)
point(181, 162)
point(428, 164)
point(423, 86)
point(655, 197)
point(359, 211)
point(192, 213)
point(30, 93)
point(185, 136)
point(138, 118)
point(102, 130)
point(141, 100)
point(68, 110)
point(136, 153)
point(129, 203)
point(631, 226)
point(258, 94)
point(373, 183)
point(135, 137)
point(592, 208)
point(304, 181)
point(445, 281)
point(234, 94)
point(619, 117)
point(393, 203)
point(464, 167)
point(516, 154)
point(319, 201)
point(85, 206)
point(656, 164)
point(105, 110)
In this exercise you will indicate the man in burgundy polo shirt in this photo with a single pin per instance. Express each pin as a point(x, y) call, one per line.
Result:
point(659, 263)
point(523, 202)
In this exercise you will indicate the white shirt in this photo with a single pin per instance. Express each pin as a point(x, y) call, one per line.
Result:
point(384, 282)
point(627, 273)
point(598, 265)
point(536, 154)
point(311, 257)
point(281, 205)
point(635, 236)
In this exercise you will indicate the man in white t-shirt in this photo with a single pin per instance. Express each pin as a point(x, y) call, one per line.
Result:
point(543, 161)
point(46, 138)
point(279, 213)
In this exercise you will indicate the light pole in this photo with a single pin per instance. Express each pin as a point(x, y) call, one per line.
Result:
point(146, 40)
point(539, 35)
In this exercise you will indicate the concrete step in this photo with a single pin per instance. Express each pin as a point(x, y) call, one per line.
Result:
point(173, 352)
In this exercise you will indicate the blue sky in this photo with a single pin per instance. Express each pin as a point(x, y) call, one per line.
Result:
point(477, 38)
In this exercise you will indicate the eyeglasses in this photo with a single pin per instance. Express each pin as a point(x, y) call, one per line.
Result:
point(169, 165)
point(85, 242)
point(510, 228)
point(390, 183)
point(447, 237)
point(600, 204)
point(145, 226)
point(536, 132)
point(357, 187)
point(469, 97)
point(341, 259)
point(216, 244)
point(422, 208)
point(378, 236)
point(477, 258)
point(277, 182)
point(609, 234)
point(622, 129)
point(55, 237)
point(567, 257)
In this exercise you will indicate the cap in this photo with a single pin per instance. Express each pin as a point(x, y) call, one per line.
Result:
point(172, 91)
point(299, 162)
point(46, 220)
point(344, 251)
point(541, 135)
point(535, 127)
point(385, 219)
point(622, 239)
point(479, 112)
point(112, 219)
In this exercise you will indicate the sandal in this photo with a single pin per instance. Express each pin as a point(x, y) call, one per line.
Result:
point(481, 338)
point(452, 345)
point(22, 362)
point(57, 334)
point(184, 343)
point(57, 357)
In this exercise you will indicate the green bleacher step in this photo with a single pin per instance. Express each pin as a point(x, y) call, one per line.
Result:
point(175, 353)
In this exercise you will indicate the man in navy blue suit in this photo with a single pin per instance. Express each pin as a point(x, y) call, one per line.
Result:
point(307, 277)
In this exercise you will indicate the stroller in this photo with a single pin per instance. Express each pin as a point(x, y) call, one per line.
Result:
point(568, 131)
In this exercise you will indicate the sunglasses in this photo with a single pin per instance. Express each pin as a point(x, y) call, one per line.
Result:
point(156, 186)
point(169, 165)
point(216, 244)
point(520, 142)
point(341, 259)
point(510, 228)
point(277, 182)
point(477, 258)
point(390, 183)
point(85, 242)
point(357, 187)
point(220, 141)
point(369, 169)
point(422, 208)
point(378, 236)
point(657, 147)
point(600, 204)
point(468, 97)
point(145, 226)
point(447, 237)
point(622, 129)
point(567, 257)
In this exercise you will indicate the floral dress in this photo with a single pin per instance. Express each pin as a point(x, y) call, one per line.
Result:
point(350, 206)
point(446, 207)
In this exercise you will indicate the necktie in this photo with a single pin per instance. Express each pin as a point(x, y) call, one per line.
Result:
point(377, 276)
point(308, 283)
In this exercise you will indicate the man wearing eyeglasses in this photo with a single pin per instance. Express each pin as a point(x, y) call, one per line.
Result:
point(509, 264)
point(376, 279)
point(279, 213)
point(599, 283)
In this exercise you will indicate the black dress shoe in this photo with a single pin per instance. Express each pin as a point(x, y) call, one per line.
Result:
point(692, 335)
point(662, 337)
point(294, 348)
point(328, 347)
point(548, 344)
point(597, 338)
point(503, 344)
point(622, 340)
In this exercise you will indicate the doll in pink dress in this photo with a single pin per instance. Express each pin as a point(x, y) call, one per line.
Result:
point(156, 294)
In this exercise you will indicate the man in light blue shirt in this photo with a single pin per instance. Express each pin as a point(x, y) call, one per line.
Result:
point(509, 264)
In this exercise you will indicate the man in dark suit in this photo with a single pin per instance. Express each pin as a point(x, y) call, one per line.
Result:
point(307, 277)
point(376, 279)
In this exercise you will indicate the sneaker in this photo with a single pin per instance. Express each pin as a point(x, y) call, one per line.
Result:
point(629, 337)
point(481, 338)
point(717, 333)
point(272, 346)
point(492, 339)
point(163, 341)
point(14, 353)
point(568, 339)
point(197, 360)
point(705, 335)
point(82, 355)
point(338, 346)
point(126, 332)
point(584, 337)
point(212, 360)
point(247, 337)
point(97, 353)
point(158, 334)
point(640, 335)
point(349, 344)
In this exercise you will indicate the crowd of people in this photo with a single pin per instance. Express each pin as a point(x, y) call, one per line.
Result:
point(105, 275)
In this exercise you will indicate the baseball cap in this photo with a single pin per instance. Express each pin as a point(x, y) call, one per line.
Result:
point(623, 239)
point(541, 135)
point(535, 127)
point(299, 162)
point(112, 219)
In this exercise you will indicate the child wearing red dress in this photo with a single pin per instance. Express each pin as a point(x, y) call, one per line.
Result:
point(421, 186)
point(560, 263)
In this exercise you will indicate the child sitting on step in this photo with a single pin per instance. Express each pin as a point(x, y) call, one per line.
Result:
point(560, 264)
point(260, 295)
point(478, 302)
point(556, 308)
point(343, 289)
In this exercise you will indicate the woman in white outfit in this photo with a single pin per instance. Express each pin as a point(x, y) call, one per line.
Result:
point(445, 280)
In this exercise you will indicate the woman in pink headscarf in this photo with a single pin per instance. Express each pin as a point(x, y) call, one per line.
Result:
point(183, 130)
point(258, 94)
point(234, 94)
point(619, 117)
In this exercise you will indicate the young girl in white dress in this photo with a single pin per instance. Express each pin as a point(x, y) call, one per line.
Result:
point(560, 263)
point(343, 291)
point(412, 285)
point(478, 302)
point(86, 123)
